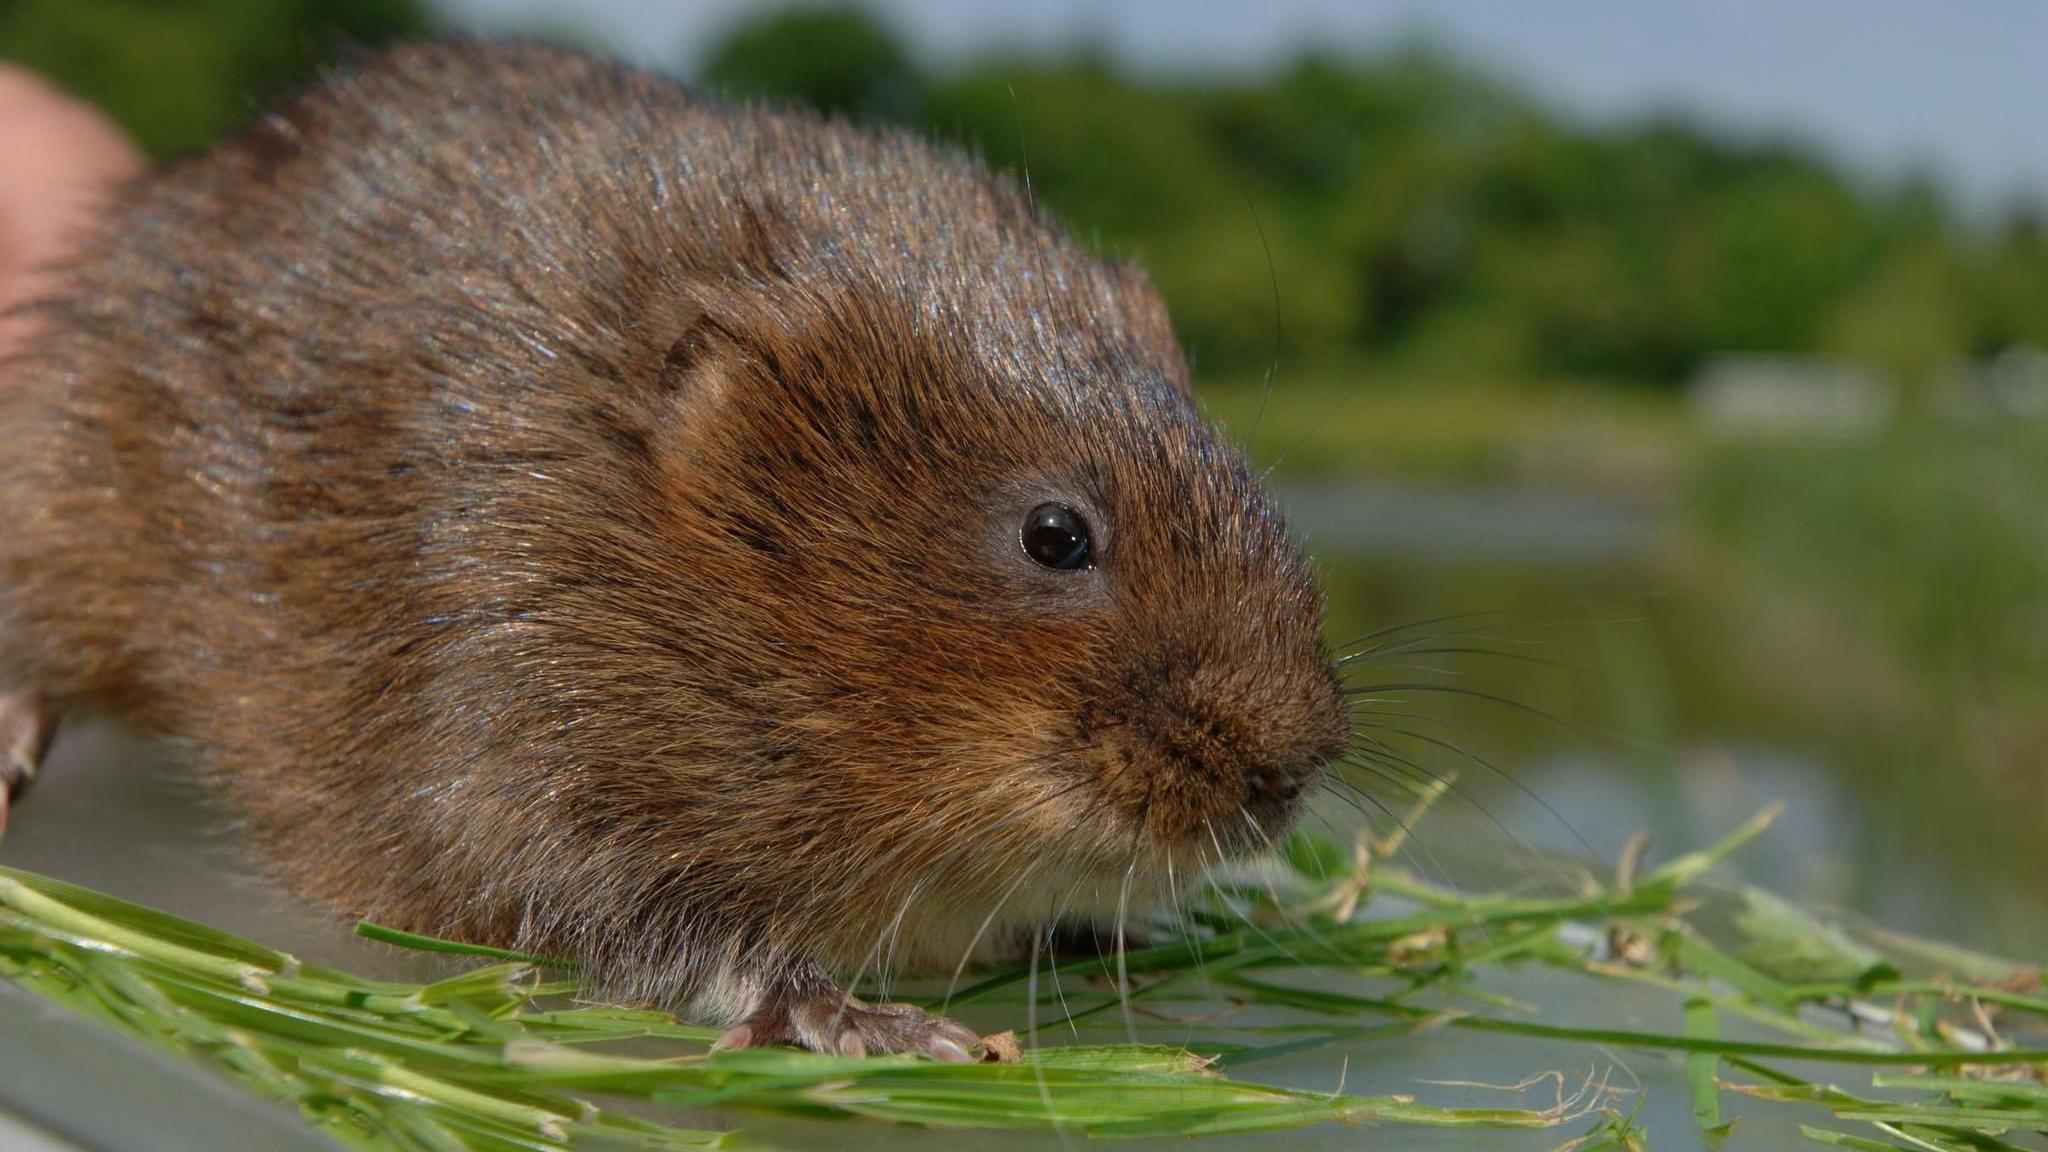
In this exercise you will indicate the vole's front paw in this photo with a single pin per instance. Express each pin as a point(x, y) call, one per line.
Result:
point(26, 725)
point(834, 1022)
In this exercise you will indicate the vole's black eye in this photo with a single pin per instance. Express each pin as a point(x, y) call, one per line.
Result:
point(1055, 535)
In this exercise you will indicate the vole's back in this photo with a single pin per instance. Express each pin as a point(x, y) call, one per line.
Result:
point(344, 412)
point(248, 458)
point(570, 514)
point(268, 428)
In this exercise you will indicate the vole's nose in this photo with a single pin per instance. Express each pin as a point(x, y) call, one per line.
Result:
point(1280, 784)
point(1321, 735)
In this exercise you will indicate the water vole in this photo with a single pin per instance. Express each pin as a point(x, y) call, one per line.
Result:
point(734, 550)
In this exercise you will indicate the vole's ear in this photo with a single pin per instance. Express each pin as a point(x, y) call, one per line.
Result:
point(1152, 327)
point(687, 358)
point(687, 352)
point(709, 319)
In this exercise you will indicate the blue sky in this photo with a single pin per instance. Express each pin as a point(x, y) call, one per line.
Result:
point(1956, 86)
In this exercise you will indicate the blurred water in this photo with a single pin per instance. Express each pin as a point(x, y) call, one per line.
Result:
point(1448, 522)
point(1624, 700)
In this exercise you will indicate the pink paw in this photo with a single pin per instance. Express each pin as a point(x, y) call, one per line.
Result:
point(837, 1023)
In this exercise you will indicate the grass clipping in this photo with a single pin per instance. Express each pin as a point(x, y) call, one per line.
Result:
point(498, 1057)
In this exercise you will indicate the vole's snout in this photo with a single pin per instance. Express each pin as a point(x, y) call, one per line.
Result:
point(1320, 733)
point(1224, 751)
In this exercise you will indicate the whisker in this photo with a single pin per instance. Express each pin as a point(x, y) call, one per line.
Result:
point(1473, 693)
point(1031, 1030)
point(1396, 629)
point(967, 953)
point(1459, 650)
point(1393, 637)
point(1181, 914)
point(1272, 366)
point(1302, 924)
point(1356, 793)
point(1123, 900)
point(1229, 903)
point(1428, 860)
point(1397, 645)
point(1393, 760)
point(1427, 717)
point(1528, 792)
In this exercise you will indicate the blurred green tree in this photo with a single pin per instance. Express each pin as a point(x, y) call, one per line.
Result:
point(1405, 204)
point(835, 59)
point(180, 73)
point(1910, 320)
point(2010, 288)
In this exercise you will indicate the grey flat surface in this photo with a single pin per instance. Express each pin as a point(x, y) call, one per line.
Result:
point(73, 1085)
point(16, 1135)
point(111, 813)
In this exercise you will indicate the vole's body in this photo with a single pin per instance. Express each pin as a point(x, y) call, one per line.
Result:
point(565, 513)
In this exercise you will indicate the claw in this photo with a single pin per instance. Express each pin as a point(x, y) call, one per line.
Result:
point(833, 1022)
point(26, 725)
point(959, 1034)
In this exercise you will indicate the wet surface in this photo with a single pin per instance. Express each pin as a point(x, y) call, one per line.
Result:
point(1443, 522)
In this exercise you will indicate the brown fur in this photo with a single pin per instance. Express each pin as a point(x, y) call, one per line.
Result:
point(567, 513)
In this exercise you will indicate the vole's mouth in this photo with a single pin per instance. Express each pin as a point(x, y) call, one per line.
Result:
point(1217, 816)
point(1212, 755)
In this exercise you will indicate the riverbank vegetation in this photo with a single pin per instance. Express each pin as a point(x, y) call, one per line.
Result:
point(1395, 205)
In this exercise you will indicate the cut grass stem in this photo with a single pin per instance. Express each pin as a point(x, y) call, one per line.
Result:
point(492, 1059)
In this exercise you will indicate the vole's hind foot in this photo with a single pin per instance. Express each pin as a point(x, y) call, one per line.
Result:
point(834, 1022)
point(27, 722)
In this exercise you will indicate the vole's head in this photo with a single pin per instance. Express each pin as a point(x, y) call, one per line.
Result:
point(993, 588)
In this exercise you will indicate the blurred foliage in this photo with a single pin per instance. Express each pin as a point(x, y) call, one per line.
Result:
point(837, 60)
point(1413, 208)
point(1398, 205)
point(1882, 602)
point(179, 73)
point(1928, 543)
